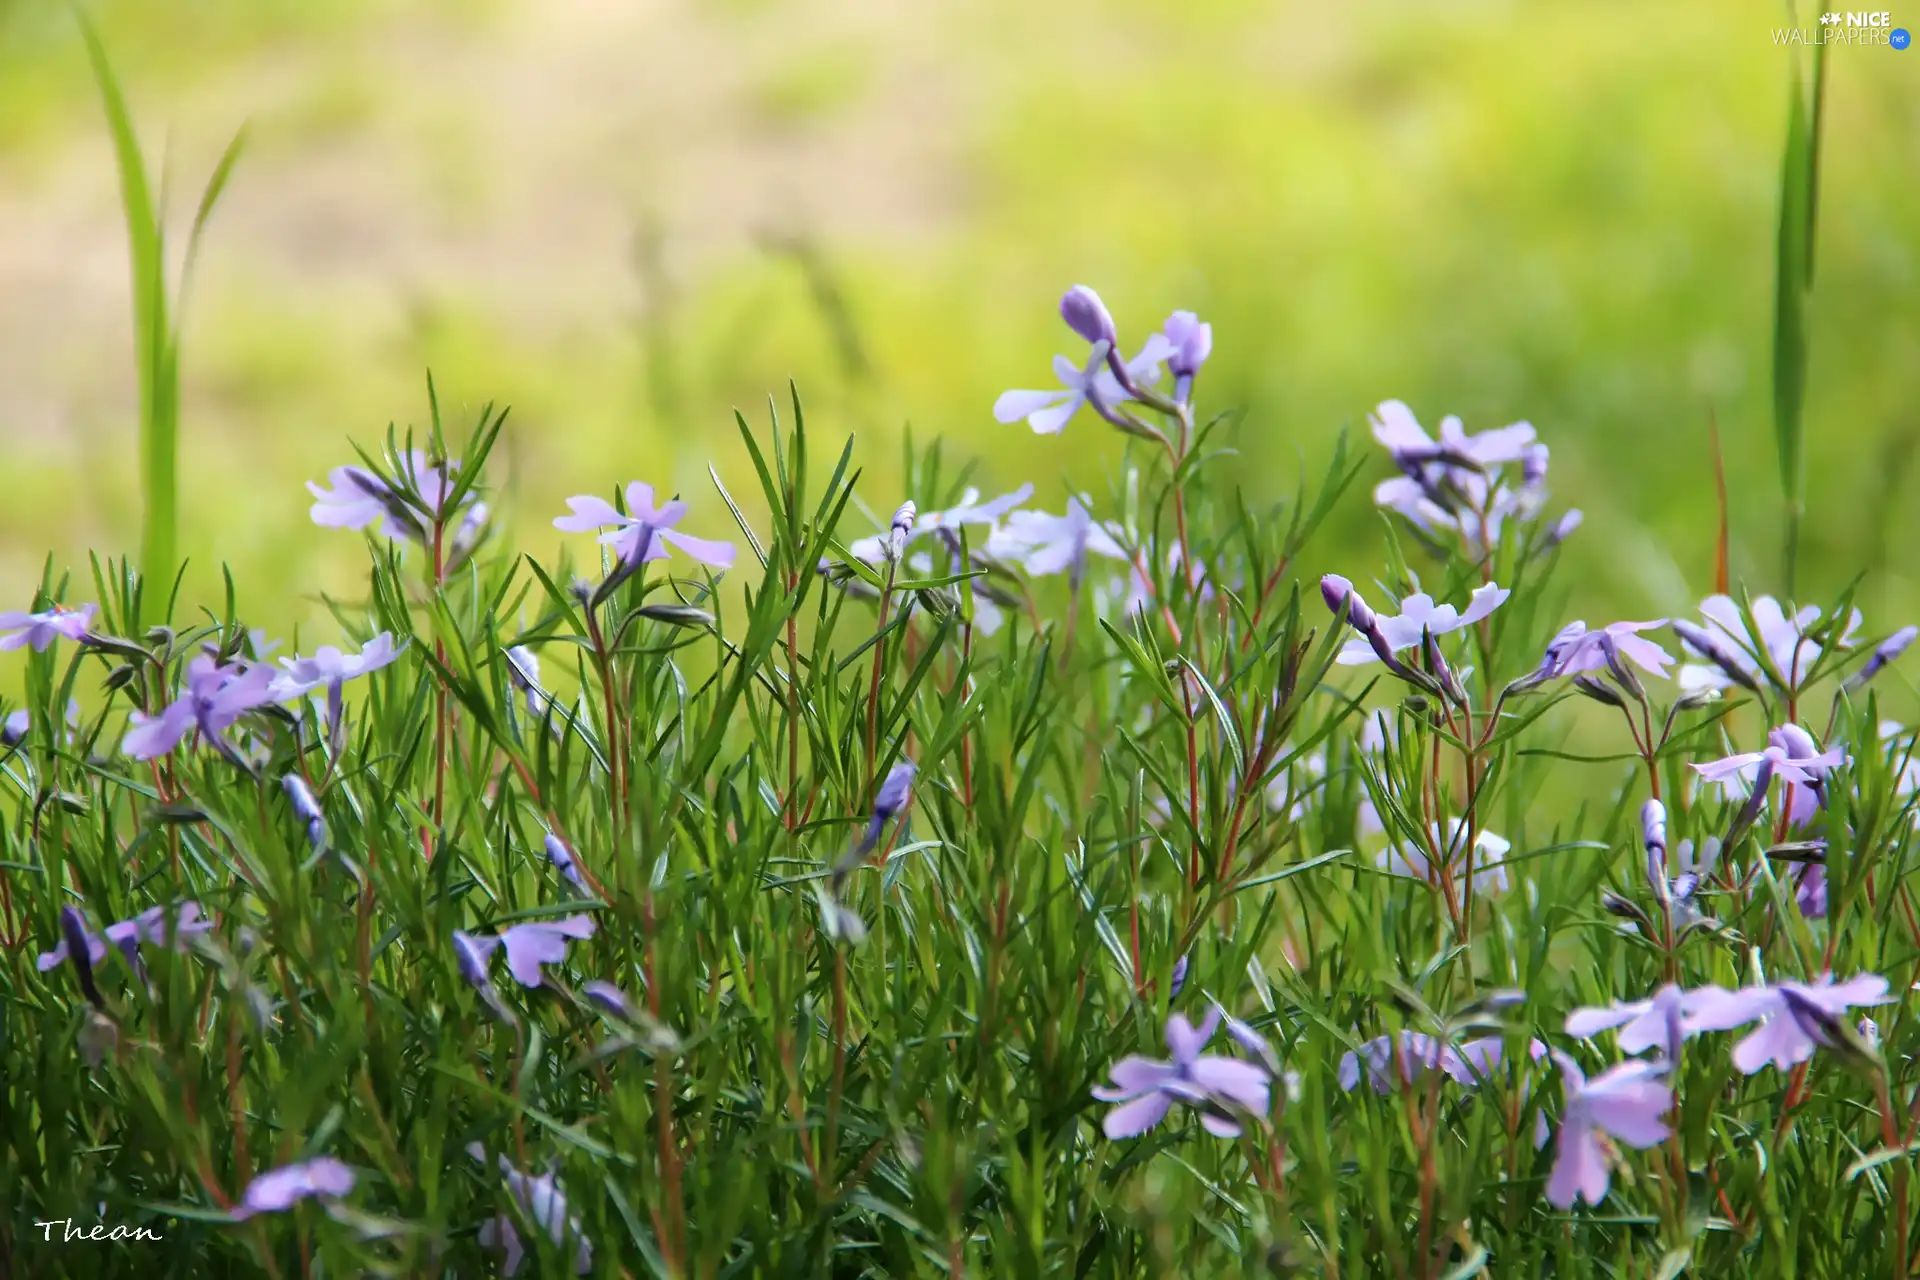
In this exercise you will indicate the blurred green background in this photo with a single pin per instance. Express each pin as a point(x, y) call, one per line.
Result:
point(626, 219)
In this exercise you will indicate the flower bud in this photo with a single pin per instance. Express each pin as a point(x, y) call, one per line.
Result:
point(1703, 643)
point(1653, 838)
point(1621, 673)
point(902, 526)
point(1750, 811)
point(675, 615)
point(1192, 343)
point(1598, 692)
point(562, 859)
point(1890, 648)
point(1087, 316)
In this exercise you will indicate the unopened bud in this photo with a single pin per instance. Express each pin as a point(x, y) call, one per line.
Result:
point(1707, 646)
point(1890, 648)
point(902, 526)
point(1088, 316)
point(1597, 691)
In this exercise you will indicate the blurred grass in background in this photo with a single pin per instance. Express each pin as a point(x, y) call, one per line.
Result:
point(625, 220)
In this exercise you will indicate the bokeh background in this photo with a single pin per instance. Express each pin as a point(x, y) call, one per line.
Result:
point(625, 219)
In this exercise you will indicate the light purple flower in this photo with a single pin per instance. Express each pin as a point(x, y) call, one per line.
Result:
point(329, 668)
point(278, 1190)
point(306, 808)
point(656, 523)
point(359, 498)
point(1789, 1014)
point(1395, 427)
point(1191, 342)
point(1411, 1054)
point(1796, 759)
point(970, 510)
point(96, 950)
point(1218, 1087)
point(1664, 1021)
point(523, 672)
point(1419, 614)
point(1578, 650)
point(1627, 1102)
point(152, 926)
point(1783, 639)
point(1043, 544)
point(20, 723)
point(545, 1205)
point(1047, 412)
point(215, 697)
point(57, 622)
point(541, 942)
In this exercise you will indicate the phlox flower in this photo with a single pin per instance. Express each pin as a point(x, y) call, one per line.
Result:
point(1626, 1102)
point(1796, 759)
point(545, 1205)
point(56, 622)
point(278, 1190)
point(1781, 638)
point(216, 696)
point(1418, 614)
point(528, 946)
point(1218, 1087)
point(643, 518)
point(1576, 650)
point(329, 668)
point(1041, 543)
point(1792, 1016)
point(1664, 1020)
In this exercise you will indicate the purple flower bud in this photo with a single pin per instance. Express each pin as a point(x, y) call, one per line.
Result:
point(562, 859)
point(609, 997)
point(1709, 647)
point(901, 527)
point(471, 953)
point(306, 808)
point(1336, 591)
point(1179, 976)
point(1653, 838)
point(1087, 316)
point(1890, 648)
point(1597, 691)
point(1750, 811)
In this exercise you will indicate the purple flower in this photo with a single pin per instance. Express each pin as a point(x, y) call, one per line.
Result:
point(470, 952)
point(1419, 615)
point(1735, 651)
point(1191, 343)
point(1791, 1016)
point(894, 793)
point(609, 997)
point(656, 524)
point(359, 498)
point(1626, 1102)
point(1395, 427)
point(79, 948)
point(1179, 980)
point(1810, 890)
point(1218, 1087)
point(329, 668)
point(19, 723)
point(56, 622)
point(545, 1205)
point(215, 697)
point(562, 859)
point(278, 1190)
point(151, 926)
point(1795, 757)
point(1663, 1021)
point(1410, 1054)
point(1043, 544)
point(529, 946)
point(1047, 412)
point(523, 672)
point(970, 510)
point(1576, 649)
